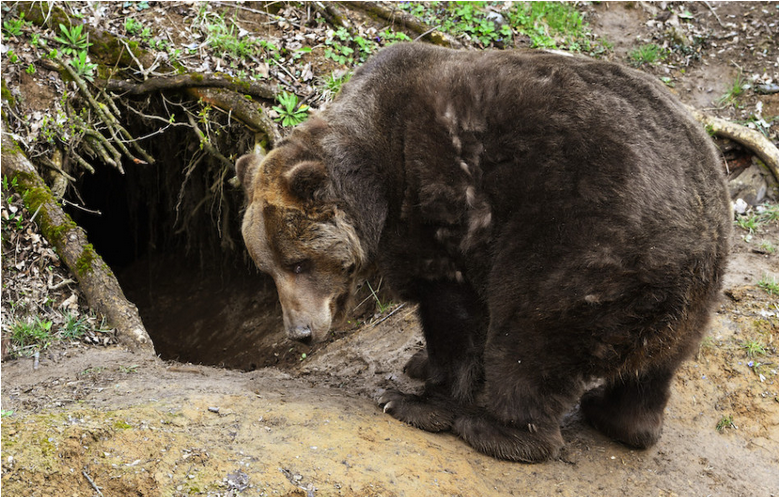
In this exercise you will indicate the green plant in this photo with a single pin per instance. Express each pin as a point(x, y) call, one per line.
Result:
point(337, 48)
point(74, 327)
point(550, 24)
point(768, 247)
point(725, 423)
point(769, 284)
point(753, 348)
point(749, 222)
point(734, 91)
point(6, 413)
point(769, 212)
point(335, 83)
point(391, 37)
point(12, 57)
point(129, 369)
point(132, 26)
point(30, 69)
point(646, 54)
point(83, 66)
point(13, 27)
point(31, 333)
point(382, 307)
point(73, 40)
point(290, 112)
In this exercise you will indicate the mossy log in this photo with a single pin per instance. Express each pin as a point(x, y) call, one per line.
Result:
point(96, 280)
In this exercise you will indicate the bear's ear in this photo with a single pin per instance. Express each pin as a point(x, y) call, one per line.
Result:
point(305, 179)
point(247, 167)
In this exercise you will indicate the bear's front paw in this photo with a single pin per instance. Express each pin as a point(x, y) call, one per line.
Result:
point(428, 413)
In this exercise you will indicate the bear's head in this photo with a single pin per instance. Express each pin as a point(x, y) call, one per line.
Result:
point(296, 231)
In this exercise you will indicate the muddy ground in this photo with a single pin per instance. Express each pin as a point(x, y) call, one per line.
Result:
point(287, 419)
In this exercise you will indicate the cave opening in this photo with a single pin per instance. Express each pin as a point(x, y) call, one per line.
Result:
point(170, 231)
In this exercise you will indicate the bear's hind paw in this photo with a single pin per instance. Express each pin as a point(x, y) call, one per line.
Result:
point(532, 443)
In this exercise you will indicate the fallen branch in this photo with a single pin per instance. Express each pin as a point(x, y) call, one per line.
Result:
point(409, 22)
point(751, 139)
point(95, 279)
point(333, 15)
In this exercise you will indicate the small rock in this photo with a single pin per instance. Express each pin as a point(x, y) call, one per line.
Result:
point(749, 186)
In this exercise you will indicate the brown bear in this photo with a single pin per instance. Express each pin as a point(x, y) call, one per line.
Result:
point(558, 220)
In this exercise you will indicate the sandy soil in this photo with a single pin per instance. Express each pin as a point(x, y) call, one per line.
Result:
point(106, 419)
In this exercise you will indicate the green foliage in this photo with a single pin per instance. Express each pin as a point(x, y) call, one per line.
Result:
point(769, 284)
point(391, 37)
point(132, 26)
point(646, 54)
point(290, 112)
point(14, 220)
point(73, 40)
point(83, 67)
point(753, 348)
point(226, 42)
point(338, 47)
point(550, 24)
point(35, 332)
point(735, 90)
point(749, 222)
point(769, 212)
point(13, 27)
point(382, 307)
point(74, 327)
point(335, 83)
point(768, 247)
point(726, 422)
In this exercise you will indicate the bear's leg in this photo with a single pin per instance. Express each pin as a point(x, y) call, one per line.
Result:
point(531, 380)
point(416, 367)
point(630, 408)
point(454, 322)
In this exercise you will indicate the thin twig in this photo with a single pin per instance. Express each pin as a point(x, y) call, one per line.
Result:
point(61, 284)
point(714, 13)
point(390, 314)
point(207, 145)
point(97, 489)
point(80, 207)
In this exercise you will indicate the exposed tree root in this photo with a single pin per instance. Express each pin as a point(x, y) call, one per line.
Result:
point(750, 139)
point(239, 107)
point(179, 82)
point(96, 280)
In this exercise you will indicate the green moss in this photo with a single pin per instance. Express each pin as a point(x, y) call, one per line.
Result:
point(197, 77)
point(122, 425)
point(6, 95)
point(58, 231)
point(85, 260)
point(35, 197)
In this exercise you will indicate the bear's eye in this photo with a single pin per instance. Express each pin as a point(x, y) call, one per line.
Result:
point(299, 267)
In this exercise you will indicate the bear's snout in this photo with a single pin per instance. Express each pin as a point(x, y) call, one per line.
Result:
point(301, 333)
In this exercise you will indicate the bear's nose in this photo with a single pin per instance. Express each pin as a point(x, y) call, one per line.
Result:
point(301, 333)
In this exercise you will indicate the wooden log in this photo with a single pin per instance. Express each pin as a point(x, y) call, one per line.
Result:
point(95, 278)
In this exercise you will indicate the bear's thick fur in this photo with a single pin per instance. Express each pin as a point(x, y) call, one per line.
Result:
point(558, 220)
